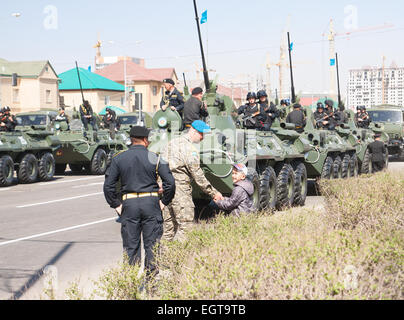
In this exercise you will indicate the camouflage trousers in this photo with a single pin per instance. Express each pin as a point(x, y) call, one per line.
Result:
point(179, 215)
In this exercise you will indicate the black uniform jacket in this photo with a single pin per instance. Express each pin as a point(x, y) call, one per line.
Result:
point(378, 150)
point(136, 168)
point(296, 117)
point(175, 99)
point(193, 110)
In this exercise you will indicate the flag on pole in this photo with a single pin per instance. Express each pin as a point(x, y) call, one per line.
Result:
point(291, 46)
point(332, 62)
point(204, 18)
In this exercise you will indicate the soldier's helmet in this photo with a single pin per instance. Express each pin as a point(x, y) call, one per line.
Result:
point(320, 106)
point(329, 103)
point(261, 93)
point(251, 95)
point(285, 102)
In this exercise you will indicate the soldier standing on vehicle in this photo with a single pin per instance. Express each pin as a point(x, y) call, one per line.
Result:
point(9, 120)
point(268, 111)
point(87, 115)
point(297, 118)
point(194, 108)
point(109, 121)
point(172, 98)
point(362, 118)
point(184, 160)
point(140, 209)
point(378, 151)
point(62, 116)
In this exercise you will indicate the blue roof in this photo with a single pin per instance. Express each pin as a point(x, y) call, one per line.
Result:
point(89, 81)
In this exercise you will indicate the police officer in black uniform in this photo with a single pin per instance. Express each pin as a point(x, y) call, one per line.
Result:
point(172, 98)
point(10, 120)
point(268, 111)
point(195, 108)
point(378, 152)
point(250, 111)
point(297, 118)
point(109, 121)
point(333, 118)
point(321, 117)
point(139, 207)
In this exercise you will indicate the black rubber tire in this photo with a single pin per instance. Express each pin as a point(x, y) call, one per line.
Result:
point(254, 178)
point(268, 190)
point(110, 157)
point(28, 169)
point(76, 168)
point(60, 168)
point(328, 168)
point(354, 166)
point(99, 162)
point(366, 167)
point(301, 182)
point(337, 168)
point(346, 167)
point(6, 171)
point(46, 167)
point(285, 187)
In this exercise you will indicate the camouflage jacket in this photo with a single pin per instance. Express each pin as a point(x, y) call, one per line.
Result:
point(184, 161)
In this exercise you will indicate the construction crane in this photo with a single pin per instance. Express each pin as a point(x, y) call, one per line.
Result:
point(331, 38)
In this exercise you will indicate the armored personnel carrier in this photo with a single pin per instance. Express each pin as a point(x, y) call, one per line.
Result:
point(392, 119)
point(90, 150)
point(28, 150)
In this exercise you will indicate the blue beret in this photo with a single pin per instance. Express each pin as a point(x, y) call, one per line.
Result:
point(201, 126)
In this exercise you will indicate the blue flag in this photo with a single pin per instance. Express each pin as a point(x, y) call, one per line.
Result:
point(204, 18)
point(89, 68)
point(332, 62)
point(291, 46)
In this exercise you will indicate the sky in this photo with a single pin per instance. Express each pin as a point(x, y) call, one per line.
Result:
point(237, 37)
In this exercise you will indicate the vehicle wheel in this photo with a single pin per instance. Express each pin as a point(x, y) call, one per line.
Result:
point(354, 166)
point(300, 184)
point(285, 187)
point(346, 167)
point(99, 162)
point(60, 168)
point(46, 167)
point(6, 171)
point(327, 168)
point(337, 168)
point(268, 190)
point(366, 167)
point(28, 169)
point(254, 178)
point(76, 168)
point(110, 157)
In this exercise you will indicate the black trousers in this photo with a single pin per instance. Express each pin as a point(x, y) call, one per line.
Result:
point(378, 166)
point(91, 121)
point(141, 216)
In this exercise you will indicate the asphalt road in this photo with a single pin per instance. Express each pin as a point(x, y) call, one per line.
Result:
point(63, 229)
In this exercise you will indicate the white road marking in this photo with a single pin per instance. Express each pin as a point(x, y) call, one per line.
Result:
point(60, 200)
point(67, 181)
point(88, 185)
point(56, 231)
point(4, 189)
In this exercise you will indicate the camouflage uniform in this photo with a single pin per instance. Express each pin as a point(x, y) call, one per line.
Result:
point(183, 158)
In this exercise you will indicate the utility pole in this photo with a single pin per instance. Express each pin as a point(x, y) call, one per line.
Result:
point(331, 38)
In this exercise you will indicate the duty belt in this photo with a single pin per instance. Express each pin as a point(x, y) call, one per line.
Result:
point(187, 126)
point(139, 195)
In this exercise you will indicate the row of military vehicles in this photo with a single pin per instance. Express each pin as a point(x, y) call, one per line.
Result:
point(281, 161)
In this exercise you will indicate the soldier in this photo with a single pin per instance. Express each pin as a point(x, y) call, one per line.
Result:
point(194, 108)
point(332, 117)
point(378, 151)
point(10, 120)
point(183, 158)
point(139, 208)
point(62, 116)
point(172, 98)
point(2, 121)
point(362, 118)
point(321, 117)
point(297, 118)
point(109, 121)
point(268, 112)
point(250, 111)
point(87, 115)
